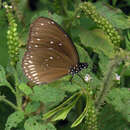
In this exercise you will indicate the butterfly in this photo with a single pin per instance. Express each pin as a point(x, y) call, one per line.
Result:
point(50, 53)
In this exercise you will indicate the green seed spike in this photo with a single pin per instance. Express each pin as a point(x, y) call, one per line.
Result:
point(90, 10)
point(12, 36)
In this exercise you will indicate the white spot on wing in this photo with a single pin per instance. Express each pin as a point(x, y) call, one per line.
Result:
point(29, 46)
point(34, 74)
point(32, 41)
point(60, 44)
point(36, 45)
point(38, 39)
point(38, 82)
point(25, 63)
point(51, 57)
point(29, 77)
point(26, 74)
point(36, 78)
point(30, 66)
point(42, 24)
point(51, 42)
point(50, 48)
point(26, 71)
point(30, 61)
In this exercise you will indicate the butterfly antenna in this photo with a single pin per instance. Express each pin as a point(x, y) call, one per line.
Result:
point(81, 77)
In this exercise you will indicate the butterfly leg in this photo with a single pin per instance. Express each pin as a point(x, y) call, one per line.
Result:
point(71, 79)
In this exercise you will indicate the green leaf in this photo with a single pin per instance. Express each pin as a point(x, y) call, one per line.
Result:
point(80, 118)
point(103, 62)
point(127, 40)
point(87, 23)
point(50, 126)
point(95, 82)
point(97, 40)
point(22, 78)
point(60, 107)
point(33, 124)
point(114, 2)
point(64, 112)
point(32, 107)
point(14, 119)
point(45, 13)
point(83, 55)
point(127, 71)
point(3, 40)
point(50, 96)
point(3, 81)
point(66, 86)
point(57, 18)
point(113, 15)
point(109, 119)
point(120, 99)
point(26, 89)
point(2, 76)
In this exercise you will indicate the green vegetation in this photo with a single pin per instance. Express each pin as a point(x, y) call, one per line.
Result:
point(100, 100)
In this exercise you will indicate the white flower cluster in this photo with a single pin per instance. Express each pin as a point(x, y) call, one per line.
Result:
point(87, 78)
point(117, 76)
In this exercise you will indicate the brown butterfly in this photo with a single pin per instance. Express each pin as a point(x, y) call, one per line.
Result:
point(50, 53)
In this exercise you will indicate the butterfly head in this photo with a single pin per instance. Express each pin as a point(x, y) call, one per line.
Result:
point(74, 70)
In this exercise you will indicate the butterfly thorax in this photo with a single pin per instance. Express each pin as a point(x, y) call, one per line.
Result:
point(74, 70)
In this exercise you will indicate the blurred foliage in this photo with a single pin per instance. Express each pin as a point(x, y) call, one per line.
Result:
point(100, 31)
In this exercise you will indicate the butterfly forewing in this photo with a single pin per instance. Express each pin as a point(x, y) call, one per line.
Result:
point(50, 52)
point(47, 33)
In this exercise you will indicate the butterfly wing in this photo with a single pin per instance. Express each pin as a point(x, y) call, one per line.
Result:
point(48, 34)
point(50, 52)
point(44, 68)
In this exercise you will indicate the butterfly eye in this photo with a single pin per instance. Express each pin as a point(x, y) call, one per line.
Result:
point(50, 53)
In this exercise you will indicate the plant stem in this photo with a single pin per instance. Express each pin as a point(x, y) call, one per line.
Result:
point(0, 4)
point(18, 94)
point(71, 20)
point(17, 10)
point(106, 84)
point(79, 107)
point(11, 88)
point(2, 98)
point(64, 5)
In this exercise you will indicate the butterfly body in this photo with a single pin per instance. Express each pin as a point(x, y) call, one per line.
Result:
point(50, 53)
